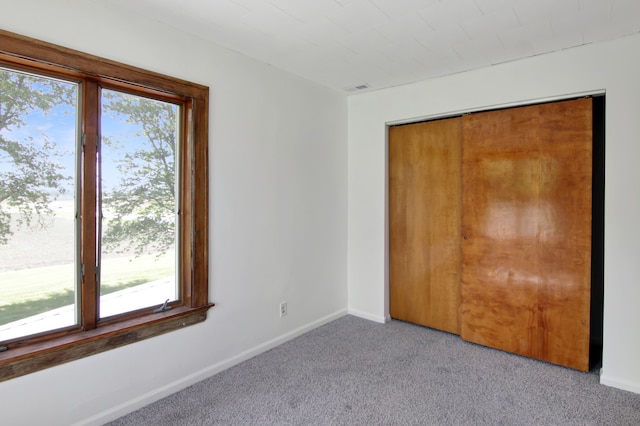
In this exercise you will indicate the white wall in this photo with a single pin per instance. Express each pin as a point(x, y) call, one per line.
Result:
point(278, 153)
point(614, 67)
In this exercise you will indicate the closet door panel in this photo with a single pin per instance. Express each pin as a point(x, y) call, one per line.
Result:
point(424, 223)
point(525, 284)
point(500, 267)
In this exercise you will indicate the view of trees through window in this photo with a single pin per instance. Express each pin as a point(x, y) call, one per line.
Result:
point(40, 161)
point(138, 179)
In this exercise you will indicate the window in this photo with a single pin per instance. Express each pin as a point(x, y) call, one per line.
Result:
point(103, 204)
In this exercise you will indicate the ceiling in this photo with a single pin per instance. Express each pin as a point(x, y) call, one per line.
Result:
point(344, 44)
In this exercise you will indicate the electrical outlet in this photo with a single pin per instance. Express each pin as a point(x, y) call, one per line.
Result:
point(283, 309)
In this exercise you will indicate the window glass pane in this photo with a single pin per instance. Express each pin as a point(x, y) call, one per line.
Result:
point(38, 139)
point(138, 179)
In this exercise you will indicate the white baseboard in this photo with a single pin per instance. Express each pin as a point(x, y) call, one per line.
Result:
point(370, 317)
point(157, 394)
point(616, 382)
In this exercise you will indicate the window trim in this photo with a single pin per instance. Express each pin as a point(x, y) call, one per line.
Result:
point(50, 349)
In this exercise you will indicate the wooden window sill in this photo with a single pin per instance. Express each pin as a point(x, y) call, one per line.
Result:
point(27, 359)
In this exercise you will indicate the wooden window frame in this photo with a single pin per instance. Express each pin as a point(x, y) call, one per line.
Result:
point(93, 336)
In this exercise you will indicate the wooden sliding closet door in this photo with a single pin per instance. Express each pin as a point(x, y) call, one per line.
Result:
point(424, 223)
point(526, 230)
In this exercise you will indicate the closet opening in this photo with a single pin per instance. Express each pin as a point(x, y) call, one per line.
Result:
point(496, 227)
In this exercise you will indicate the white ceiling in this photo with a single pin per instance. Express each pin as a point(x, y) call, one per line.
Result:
point(385, 43)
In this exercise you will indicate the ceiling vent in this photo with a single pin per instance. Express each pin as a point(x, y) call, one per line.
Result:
point(357, 88)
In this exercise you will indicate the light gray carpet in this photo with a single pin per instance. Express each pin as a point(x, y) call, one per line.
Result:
point(356, 372)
